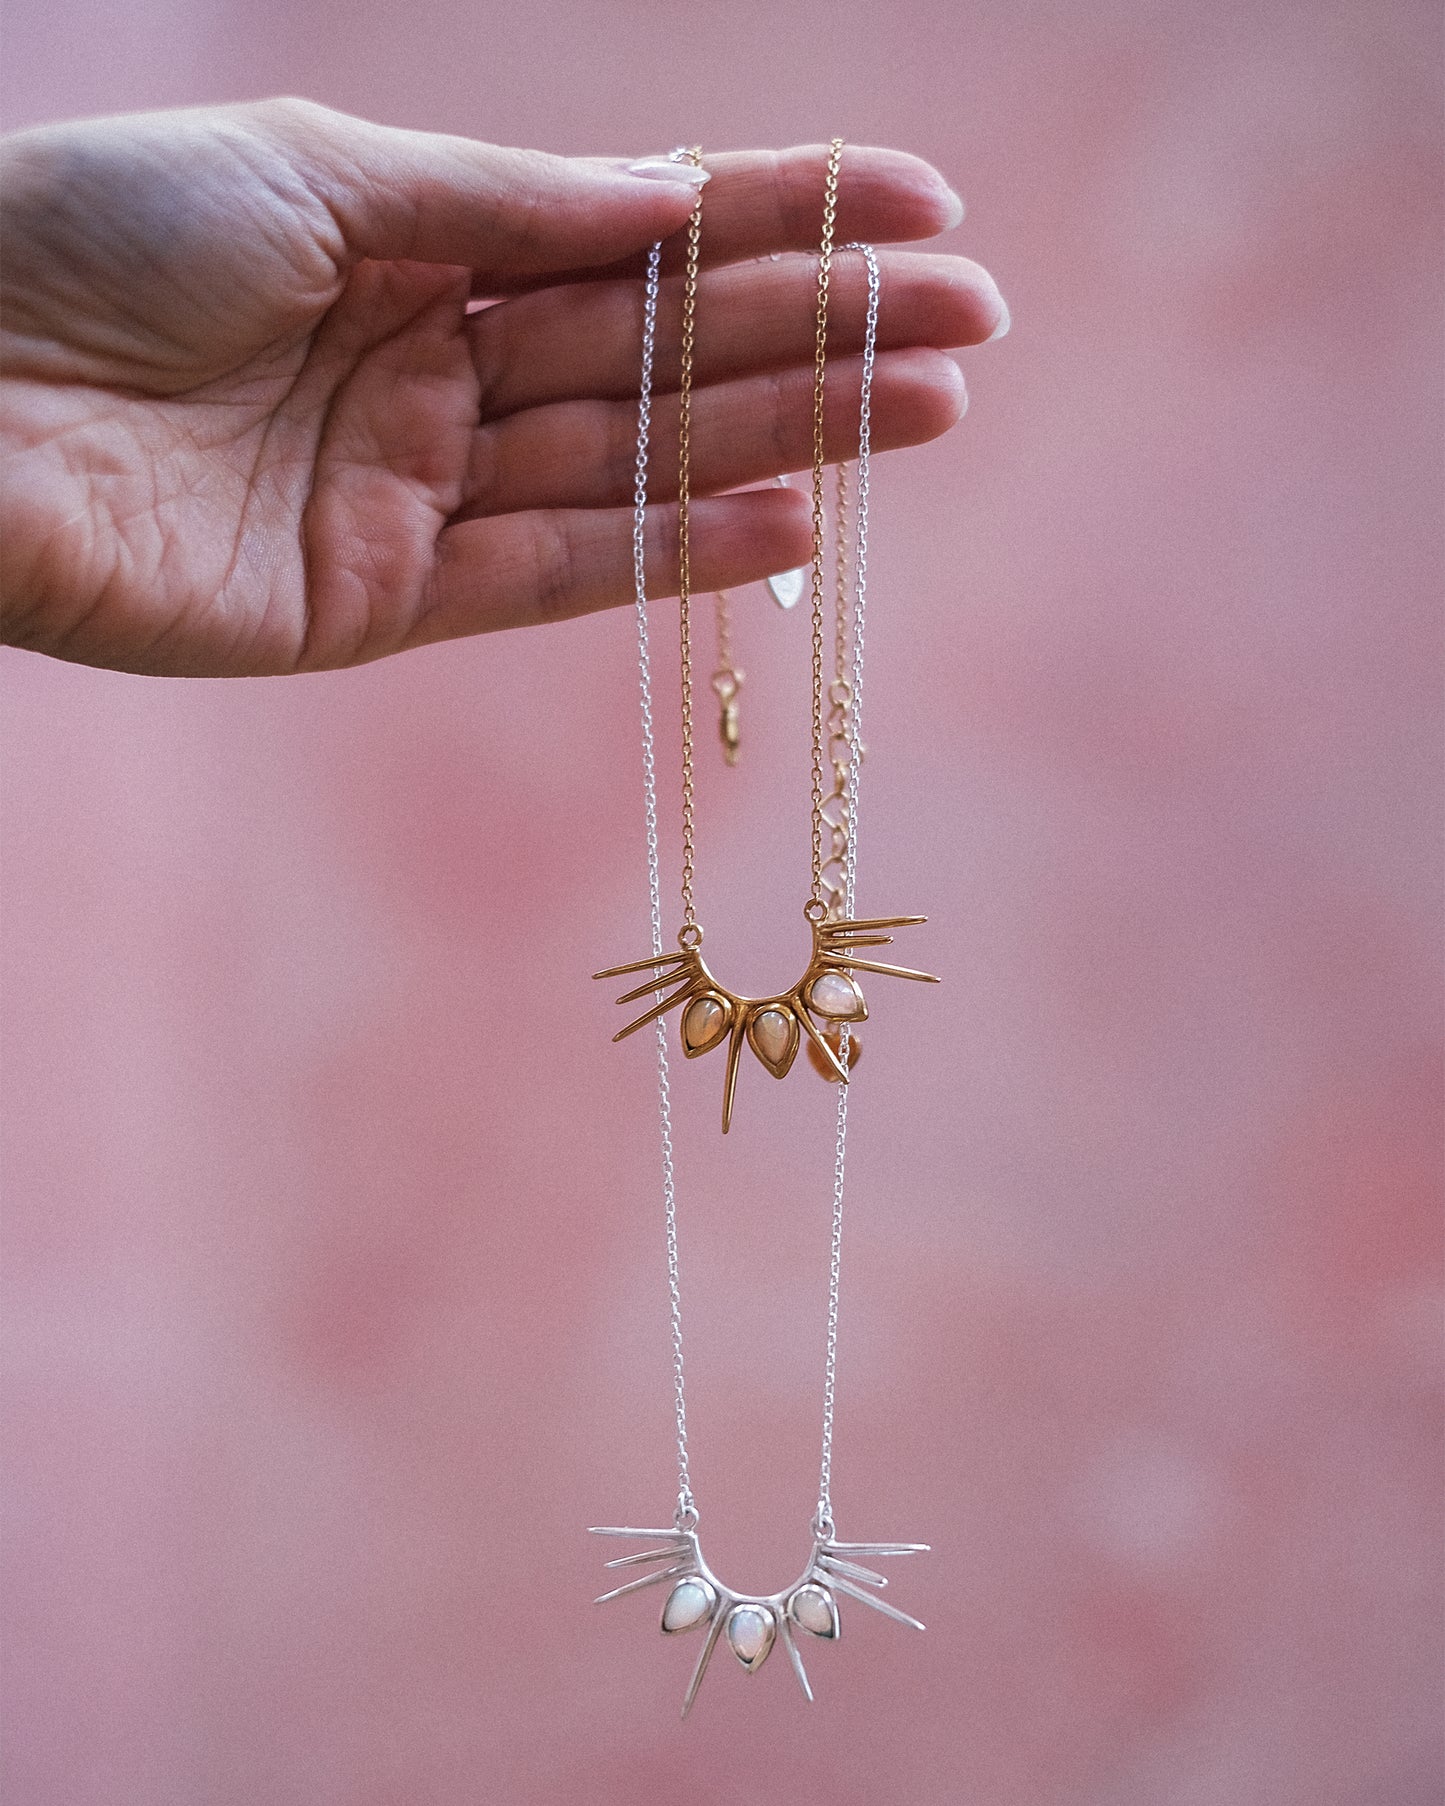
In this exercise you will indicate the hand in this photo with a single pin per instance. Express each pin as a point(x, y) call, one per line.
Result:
point(249, 424)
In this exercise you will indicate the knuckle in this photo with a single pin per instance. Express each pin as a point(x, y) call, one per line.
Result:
point(487, 338)
point(783, 414)
point(291, 114)
point(660, 539)
point(555, 562)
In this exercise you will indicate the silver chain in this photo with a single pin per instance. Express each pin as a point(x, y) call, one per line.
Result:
point(686, 1515)
point(823, 1518)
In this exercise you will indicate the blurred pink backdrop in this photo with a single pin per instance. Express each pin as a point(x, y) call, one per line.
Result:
point(335, 1303)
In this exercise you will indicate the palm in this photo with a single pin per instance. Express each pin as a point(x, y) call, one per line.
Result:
point(285, 512)
point(236, 446)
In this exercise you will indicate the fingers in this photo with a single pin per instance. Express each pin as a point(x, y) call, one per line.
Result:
point(882, 194)
point(581, 454)
point(511, 216)
point(521, 569)
point(582, 340)
point(515, 217)
point(758, 202)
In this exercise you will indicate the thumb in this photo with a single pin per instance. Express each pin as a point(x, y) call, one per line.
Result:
point(509, 215)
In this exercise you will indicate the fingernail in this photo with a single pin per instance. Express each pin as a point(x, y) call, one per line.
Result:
point(1004, 322)
point(956, 208)
point(661, 169)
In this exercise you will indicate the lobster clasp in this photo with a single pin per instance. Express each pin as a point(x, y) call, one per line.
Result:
point(726, 683)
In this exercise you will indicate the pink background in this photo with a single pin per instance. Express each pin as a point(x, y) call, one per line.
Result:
point(335, 1299)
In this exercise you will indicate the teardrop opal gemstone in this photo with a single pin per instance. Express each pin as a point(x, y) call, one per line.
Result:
point(771, 1034)
point(774, 1034)
point(704, 1023)
point(689, 1602)
point(836, 995)
point(751, 1630)
point(813, 1607)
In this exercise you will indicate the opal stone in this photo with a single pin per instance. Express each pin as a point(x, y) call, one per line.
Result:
point(751, 1630)
point(689, 1602)
point(812, 1607)
point(835, 994)
point(704, 1023)
point(775, 1039)
point(773, 1033)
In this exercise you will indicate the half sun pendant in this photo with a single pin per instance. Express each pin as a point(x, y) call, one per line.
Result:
point(752, 1623)
point(826, 998)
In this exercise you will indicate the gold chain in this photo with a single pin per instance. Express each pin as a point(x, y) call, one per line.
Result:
point(723, 618)
point(820, 358)
point(840, 554)
point(684, 563)
point(836, 816)
point(829, 724)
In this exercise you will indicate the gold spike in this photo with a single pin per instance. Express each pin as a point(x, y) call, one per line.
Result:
point(653, 984)
point(642, 965)
point(870, 922)
point(872, 965)
point(730, 1080)
point(661, 1010)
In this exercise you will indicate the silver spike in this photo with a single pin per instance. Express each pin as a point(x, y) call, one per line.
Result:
point(648, 1580)
point(888, 1611)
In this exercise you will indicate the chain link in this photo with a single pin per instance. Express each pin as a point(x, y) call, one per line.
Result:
point(840, 557)
point(860, 560)
point(840, 694)
point(684, 548)
point(686, 1513)
point(823, 1518)
point(820, 361)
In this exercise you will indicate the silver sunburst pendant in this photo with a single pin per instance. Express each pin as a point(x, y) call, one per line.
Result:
point(752, 1623)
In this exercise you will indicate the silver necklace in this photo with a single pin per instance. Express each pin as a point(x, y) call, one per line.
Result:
point(751, 1623)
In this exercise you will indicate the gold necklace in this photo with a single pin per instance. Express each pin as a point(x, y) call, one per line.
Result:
point(827, 997)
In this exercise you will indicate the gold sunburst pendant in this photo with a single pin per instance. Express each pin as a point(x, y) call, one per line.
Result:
point(828, 994)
